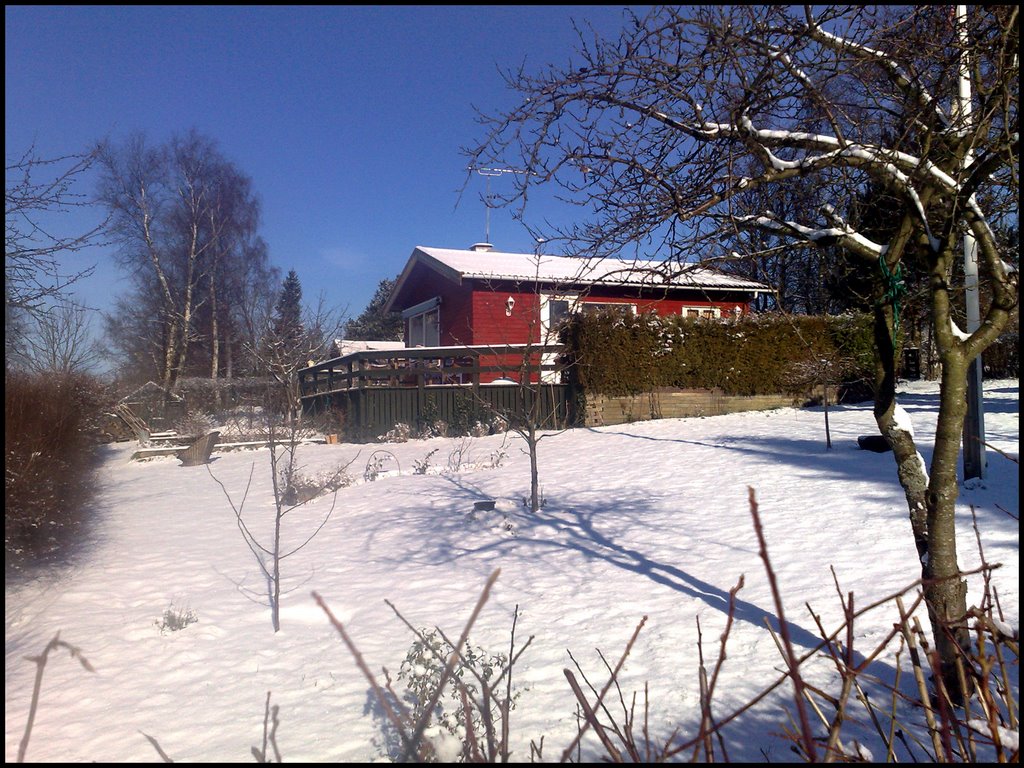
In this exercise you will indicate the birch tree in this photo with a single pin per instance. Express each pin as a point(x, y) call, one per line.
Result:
point(186, 221)
point(670, 135)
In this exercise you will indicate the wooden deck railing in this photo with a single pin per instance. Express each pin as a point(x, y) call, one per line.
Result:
point(426, 366)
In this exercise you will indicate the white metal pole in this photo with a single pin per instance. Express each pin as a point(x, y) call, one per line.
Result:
point(974, 422)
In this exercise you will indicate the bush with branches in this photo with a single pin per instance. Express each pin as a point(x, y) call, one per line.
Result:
point(48, 440)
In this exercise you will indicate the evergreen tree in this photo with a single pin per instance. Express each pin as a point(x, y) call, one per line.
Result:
point(374, 324)
point(287, 322)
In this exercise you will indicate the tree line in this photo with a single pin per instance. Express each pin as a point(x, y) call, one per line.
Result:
point(204, 299)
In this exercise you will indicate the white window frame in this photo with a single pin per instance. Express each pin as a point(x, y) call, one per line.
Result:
point(417, 316)
point(582, 305)
point(702, 310)
point(576, 305)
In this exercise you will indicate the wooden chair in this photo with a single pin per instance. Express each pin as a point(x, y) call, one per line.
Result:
point(199, 452)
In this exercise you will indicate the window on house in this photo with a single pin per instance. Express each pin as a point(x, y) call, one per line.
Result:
point(425, 329)
point(704, 312)
point(593, 307)
point(423, 324)
point(556, 310)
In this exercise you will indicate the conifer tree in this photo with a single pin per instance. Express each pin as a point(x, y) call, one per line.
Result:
point(287, 323)
point(374, 324)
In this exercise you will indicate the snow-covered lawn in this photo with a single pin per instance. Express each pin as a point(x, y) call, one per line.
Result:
point(646, 519)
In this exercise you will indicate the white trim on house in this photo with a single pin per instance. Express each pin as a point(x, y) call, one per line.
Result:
point(423, 306)
point(574, 304)
point(423, 329)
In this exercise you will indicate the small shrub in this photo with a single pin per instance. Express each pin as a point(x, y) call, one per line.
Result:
point(176, 619)
point(460, 456)
point(400, 433)
point(195, 423)
point(436, 428)
point(420, 466)
point(421, 673)
point(376, 463)
point(303, 488)
point(497, 457)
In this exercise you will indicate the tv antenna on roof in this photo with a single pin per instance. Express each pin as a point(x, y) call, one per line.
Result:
point(490, 173)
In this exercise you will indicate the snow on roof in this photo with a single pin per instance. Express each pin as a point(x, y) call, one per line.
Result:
point(348, 346)
point(496, 265)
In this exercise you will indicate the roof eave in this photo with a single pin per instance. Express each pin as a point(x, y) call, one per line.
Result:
point(419, 256)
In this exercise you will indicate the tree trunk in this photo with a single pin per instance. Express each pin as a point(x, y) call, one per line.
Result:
point(170, 353)
point(534, 476)
point(945, 592)
point(910, 467)
point(188, 299)
point(828, 432)
point(214, 341)
point(931, 500)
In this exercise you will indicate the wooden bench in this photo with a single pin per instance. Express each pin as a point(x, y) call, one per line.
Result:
point(175, 449)
point(141, 454)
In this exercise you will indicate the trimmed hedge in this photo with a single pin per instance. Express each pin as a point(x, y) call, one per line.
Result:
point(614, 354)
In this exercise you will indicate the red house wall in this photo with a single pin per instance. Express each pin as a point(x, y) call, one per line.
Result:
point(456, 311)
point(491, 324)
point(474, 312)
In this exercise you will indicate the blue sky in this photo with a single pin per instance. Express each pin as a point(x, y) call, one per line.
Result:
point(349, 119)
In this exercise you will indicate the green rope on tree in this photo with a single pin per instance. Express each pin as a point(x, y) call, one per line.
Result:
point(895, 288)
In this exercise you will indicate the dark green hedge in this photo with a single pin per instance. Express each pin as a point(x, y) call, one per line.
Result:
point(613, 354)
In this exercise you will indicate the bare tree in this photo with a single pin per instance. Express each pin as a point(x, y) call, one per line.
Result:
point(34, 277)
point(534, 413)
point(291, 491)
point(666, 133)
point(59, 341)
point(285, 349)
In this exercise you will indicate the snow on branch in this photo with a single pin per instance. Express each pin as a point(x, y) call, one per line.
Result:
point(842, 235)
point(896, 73)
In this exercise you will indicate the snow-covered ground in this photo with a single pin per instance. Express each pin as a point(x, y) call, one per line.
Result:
point(646, 519)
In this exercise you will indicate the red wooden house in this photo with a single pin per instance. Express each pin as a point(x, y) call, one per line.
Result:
point(481, 296)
